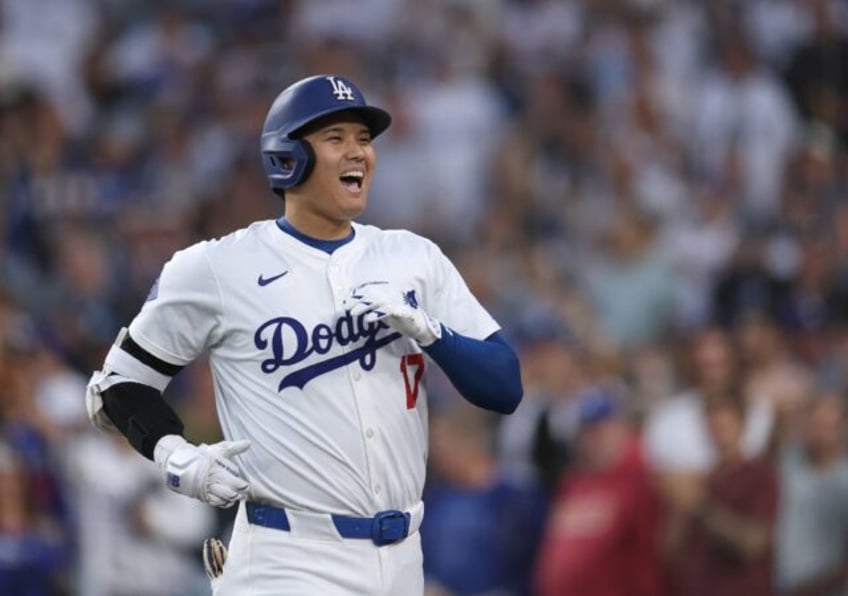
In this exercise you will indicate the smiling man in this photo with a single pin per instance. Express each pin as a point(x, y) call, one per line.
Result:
point(319, 330)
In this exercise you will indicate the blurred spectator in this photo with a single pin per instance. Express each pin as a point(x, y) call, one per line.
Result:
point(812, 544)
point(776, 27)
point(773, 373)
point(542, 32)
point(832, 367)
point(46, 41)
point(752, 280)
point(136, 536)
point(25, 423)
point(535, 444)
point(482, 529)
point(34, 553)
point(816, 73)
point(719, 534)
point(632, 283)
point(813, 185)
point(676, 431)
point(743, 126)
point(157, 56)
point(365, 22)
point(602, 532)
point(700, 246)
point(651, 377)
point(456, 119)
point(818, 294)
point(86, 285)
point(543, 159)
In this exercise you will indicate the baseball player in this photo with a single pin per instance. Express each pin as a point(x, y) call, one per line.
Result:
point(318, 330)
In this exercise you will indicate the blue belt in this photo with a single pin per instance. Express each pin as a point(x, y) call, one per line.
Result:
point(384, 528)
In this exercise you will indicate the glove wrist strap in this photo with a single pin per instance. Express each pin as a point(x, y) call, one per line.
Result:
point(434, 331)
point(165, 447)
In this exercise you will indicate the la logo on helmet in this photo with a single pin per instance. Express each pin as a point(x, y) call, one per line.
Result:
point(340, 90)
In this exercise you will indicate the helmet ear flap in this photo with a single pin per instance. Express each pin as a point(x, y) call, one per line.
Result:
point(308, 160)
point(288, 163)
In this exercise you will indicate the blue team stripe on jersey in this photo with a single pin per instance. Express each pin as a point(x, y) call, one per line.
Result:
point(301, 377)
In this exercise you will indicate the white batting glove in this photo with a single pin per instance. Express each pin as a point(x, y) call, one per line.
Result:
point(380, 302)
point(205, 472)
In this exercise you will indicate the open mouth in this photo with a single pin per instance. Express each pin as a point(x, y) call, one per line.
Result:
point(352, 180)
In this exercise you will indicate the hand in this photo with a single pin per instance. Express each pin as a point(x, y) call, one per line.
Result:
point(378, 301)
point(205, 472)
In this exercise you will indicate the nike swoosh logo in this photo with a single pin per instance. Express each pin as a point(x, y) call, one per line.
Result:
point(264, 281)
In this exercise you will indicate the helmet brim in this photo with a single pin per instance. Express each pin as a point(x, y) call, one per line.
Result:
point(376, 119)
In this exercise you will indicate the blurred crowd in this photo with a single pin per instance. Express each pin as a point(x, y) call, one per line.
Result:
point(651, 196)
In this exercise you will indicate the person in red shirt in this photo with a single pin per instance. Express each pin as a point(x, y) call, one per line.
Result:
point(601, 536)
point(720, 537)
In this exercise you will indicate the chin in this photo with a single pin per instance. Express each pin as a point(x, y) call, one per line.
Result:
point(353, 208)
point(355, 213)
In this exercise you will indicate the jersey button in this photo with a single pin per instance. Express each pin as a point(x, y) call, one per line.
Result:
point(357, 375)
point(369, 433)
point(377, 489)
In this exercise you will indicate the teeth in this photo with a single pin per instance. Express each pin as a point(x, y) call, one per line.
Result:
point(353, 174)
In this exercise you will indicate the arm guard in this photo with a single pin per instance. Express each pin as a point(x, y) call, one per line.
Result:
point(126, 396)
point(141, 414)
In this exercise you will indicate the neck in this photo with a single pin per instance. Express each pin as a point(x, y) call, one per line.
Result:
point(730, 457)
point(317, 226)
point(480, 474)
point(822, 459)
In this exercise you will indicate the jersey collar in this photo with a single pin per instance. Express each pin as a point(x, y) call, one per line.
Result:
point(328, 246)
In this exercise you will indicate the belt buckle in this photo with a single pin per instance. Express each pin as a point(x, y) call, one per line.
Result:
point(389, 527)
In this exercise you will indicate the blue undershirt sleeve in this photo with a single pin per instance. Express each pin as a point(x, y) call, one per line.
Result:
point(485, 372)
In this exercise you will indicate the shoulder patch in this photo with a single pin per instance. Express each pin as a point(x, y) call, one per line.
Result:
point(154, 291)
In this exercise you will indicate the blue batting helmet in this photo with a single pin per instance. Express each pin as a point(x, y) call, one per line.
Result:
point(288, 159)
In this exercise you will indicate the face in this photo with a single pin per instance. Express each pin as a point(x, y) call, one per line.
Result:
point(713, 361)
point(758, 339)
point(825, 425)
point(336, 190)
point(602, 443)
point(726, 426)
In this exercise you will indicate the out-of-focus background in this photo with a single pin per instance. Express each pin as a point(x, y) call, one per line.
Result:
point(649, 195)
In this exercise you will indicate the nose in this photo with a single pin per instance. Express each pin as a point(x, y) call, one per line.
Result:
point(354, 149)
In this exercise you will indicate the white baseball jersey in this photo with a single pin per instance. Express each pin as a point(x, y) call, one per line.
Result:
point(335, 408)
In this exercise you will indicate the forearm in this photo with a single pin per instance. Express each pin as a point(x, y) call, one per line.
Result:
point(675, 533)
point(485, 372)
point(748, 538)
point(141, 414)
